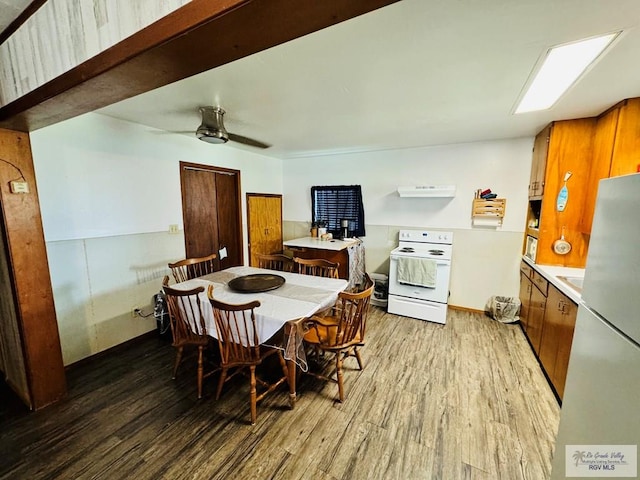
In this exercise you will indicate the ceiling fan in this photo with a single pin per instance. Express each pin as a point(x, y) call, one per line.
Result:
point(212, 130)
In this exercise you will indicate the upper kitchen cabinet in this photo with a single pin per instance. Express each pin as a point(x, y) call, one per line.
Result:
point(604, 137)
point(626, 148)
point(616, 151)
point(539, 163)
point(569, 149)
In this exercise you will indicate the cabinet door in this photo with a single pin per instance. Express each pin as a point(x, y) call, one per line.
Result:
point(525, 299)
point(570, 150)
point(565, 340)
point(603, 141)
point(536, 318)
point(557, 335)
point(625, 158)
point(539, 162)
point(550, 331)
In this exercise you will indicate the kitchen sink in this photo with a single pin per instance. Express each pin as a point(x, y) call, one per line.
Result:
point(573, 282)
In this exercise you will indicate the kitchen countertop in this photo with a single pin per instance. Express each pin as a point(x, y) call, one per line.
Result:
point(551, 273)
point(313, 242)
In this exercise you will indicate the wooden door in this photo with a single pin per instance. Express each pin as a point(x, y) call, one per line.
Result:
point(264, 220)
point(211, 212)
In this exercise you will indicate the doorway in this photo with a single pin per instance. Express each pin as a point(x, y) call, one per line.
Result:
point(264, 225)
point(211, 212)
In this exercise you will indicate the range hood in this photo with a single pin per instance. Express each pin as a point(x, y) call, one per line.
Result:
point(428, 191)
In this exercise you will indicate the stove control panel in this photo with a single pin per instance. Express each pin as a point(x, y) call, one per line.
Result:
point(426, 236)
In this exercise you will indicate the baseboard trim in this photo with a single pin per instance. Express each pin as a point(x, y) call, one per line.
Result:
point(465, 309)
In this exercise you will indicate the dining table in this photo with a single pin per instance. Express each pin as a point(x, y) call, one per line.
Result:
point(284, 304)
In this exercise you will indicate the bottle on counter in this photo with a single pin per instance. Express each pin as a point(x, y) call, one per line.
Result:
point(322, 229)
point(314, 229)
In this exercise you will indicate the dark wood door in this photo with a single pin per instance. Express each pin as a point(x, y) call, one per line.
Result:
point(211, 212)
point(264, 224)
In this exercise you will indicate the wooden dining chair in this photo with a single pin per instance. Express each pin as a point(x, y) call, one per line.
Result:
point(317, 266)
point(276, 261)
point(240, 349)
point(341, 333)
point(192, 267)
point(188, 327)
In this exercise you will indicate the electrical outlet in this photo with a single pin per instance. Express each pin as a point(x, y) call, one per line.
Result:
point(173, 228)
point(135, 312)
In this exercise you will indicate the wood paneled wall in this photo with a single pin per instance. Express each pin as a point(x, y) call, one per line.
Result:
point(170, 49)
point(26, 259)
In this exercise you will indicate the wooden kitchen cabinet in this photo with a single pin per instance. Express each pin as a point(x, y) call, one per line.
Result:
point(525, 300)
point(536, 316)
point(557, 335)
point(615, 151)
point(626, 157)
point(604, 137)
point(533, 298)
point(569, 149)
point(539, 163)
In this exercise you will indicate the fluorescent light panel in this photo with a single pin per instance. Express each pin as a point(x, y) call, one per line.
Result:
point(560, 69)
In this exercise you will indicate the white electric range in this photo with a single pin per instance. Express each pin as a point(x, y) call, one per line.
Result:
point(421, 302)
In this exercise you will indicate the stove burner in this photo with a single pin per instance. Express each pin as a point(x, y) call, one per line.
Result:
point(407, 249)
point(436, 252)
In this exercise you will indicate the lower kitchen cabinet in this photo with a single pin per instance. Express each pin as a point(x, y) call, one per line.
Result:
point(557, 335)
point(533, 298)
point(548, 318)
point(525, 300)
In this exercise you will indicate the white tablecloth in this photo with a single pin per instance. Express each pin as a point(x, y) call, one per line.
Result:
point(301, 296)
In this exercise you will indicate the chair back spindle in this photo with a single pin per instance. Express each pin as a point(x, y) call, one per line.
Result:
point(193, 267)
point(318, 267)
point(276, 261)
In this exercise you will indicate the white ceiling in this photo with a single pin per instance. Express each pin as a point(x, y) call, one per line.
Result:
point(415, 73)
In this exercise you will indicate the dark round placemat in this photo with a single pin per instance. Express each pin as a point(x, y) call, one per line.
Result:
point(257, 282)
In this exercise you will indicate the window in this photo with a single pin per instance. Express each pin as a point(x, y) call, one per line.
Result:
point(331, 204)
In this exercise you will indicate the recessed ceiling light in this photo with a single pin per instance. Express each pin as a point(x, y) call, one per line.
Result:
point(562, 66)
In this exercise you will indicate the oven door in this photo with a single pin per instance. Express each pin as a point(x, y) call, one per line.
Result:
point(438, 294)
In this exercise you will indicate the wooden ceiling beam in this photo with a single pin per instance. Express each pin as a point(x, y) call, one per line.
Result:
point(197, 37)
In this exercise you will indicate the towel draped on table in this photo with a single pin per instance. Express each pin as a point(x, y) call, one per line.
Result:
point(421, 272)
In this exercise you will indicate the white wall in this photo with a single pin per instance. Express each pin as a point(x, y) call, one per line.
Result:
point(110, 189)
point(108, 192)
point(485, 260)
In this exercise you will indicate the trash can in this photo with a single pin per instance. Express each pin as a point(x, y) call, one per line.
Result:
point(161, 313)
point(503, 309)
point(380, 295)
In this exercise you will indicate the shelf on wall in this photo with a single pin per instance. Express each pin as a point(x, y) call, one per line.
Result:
point(488, 211)
point(428, 191)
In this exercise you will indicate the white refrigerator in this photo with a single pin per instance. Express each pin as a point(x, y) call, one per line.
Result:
point(599, 428)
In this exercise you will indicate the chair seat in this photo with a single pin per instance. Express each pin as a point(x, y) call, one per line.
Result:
point(325, 333)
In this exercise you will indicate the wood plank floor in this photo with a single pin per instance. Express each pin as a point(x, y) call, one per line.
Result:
point(462, 401)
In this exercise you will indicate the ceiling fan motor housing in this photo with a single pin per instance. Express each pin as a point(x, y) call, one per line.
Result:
point(212, 130)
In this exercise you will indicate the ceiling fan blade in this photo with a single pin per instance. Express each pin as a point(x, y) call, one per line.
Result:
point(247, 141)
